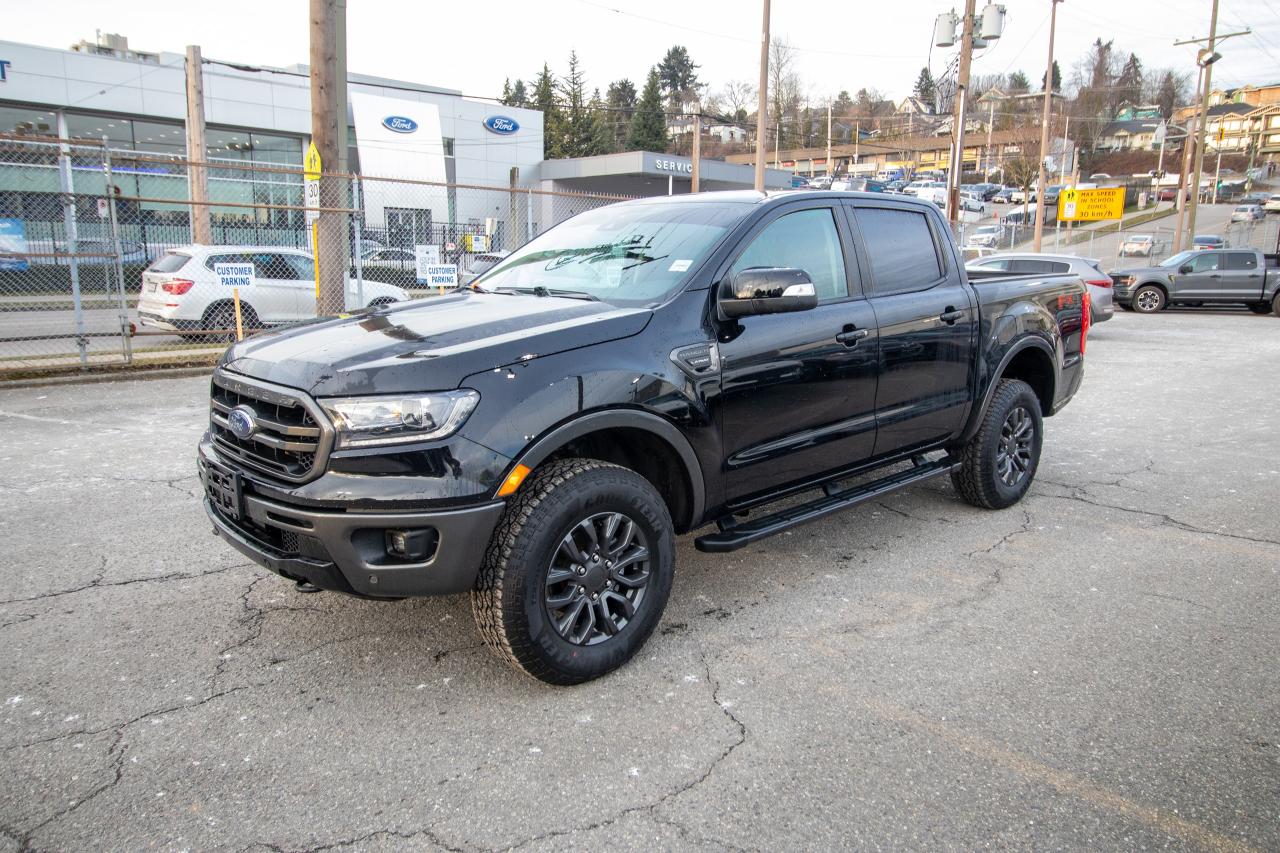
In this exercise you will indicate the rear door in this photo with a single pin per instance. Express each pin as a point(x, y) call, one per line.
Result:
point(798, 390)
point(927, 322)
point(1241, 278)
point(280, 286)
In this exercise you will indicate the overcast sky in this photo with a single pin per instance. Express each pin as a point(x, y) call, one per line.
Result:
point(847, 45)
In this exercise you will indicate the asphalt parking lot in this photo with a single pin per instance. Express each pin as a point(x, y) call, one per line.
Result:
point(1092, 669)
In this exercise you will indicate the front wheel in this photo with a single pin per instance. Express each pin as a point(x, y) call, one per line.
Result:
point(1000, 461)
point(1275, 304)
point(577, 573)
point(1148, 299)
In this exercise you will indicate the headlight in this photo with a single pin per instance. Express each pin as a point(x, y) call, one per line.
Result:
point(364, 421)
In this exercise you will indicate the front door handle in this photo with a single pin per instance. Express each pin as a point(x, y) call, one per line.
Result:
point(850, 337)
point(950, 316)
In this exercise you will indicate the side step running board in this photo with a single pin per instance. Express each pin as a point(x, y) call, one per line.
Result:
point(734, 536)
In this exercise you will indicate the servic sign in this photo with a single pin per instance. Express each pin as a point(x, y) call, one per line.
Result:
point(673, 166)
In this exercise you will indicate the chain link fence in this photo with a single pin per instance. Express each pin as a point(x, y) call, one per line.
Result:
point(106, 262)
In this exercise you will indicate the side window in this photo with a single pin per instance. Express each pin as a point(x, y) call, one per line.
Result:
point(900, 246)
point(1205, 262)
point(271, 265)
point(225, 259)
point(1242, 261)
point(807, 240)
point(1031, 265)
point(1002, 264)
point(303, 268)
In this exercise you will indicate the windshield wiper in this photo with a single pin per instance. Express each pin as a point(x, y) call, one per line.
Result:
point(549, 291)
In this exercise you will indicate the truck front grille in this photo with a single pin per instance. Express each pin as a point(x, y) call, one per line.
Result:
point(292, 437)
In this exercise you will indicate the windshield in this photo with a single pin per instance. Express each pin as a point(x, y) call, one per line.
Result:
point(1178, 259)
point(628, 254)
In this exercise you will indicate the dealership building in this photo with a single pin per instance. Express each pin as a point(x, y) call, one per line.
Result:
point(444, 143)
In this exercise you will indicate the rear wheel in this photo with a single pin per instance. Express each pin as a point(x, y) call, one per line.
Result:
point(577, 573)
point(1148, 299)
point(1275, 303)
point(1000, 461)
point(221, 316)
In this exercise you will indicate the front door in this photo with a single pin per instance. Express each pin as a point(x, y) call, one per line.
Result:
point(798, 390)
point(1203, 281)
point(927, 322)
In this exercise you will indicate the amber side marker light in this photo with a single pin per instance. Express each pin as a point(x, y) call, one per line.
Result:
point(513, 481)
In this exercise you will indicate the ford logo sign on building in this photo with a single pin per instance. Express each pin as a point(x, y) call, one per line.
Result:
point(400, 124)
point(502, 124)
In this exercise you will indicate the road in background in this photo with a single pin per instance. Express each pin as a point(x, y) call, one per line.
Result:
point(1091, 669)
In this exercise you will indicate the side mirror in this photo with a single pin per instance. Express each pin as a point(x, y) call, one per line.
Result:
point(767, 290)
point(1184, 269)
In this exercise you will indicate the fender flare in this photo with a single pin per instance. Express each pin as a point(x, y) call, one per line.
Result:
point(1027, 342)
point(539, 450)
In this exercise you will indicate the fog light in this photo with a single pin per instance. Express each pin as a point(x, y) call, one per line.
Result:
point(415, 545)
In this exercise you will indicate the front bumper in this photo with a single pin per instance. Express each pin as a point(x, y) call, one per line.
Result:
point(344, 550)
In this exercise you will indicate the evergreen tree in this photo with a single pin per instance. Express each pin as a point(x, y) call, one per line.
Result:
point(602, 136)
point(621, 101)
point(579, 129)
point(505, 100)
point(544, 99)
point(1129, 83)
point(1018, 83)
point(1057, 78)
point(926, 90)
point(678, 76)
point(842, 105)
point(649, 125)
point(519, 97)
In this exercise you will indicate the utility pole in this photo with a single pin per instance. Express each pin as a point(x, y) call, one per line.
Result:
point(957, 118)
point(1044, 127)
point(762, 99)
point(328, 18)
point(991, 122)
point(1188, 144)
point(1202, 123)
point(1217, 173)
point(697, 146)
point(777, 146)
point(197, 177)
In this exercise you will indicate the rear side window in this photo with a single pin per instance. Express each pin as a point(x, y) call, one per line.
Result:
point(1030, 265)
point(1242, 261)
point(170, 262)
point(901, 250)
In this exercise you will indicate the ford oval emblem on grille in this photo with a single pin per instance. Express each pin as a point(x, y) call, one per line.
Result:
point(242, 422)
point(400, 124)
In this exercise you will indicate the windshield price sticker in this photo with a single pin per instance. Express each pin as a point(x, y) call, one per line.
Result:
point(234, 275)
point(680, 265)
point(441, 275)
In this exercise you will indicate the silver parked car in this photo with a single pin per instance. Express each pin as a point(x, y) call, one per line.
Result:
point(1101, 299)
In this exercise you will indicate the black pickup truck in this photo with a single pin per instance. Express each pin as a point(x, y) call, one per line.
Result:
point(538, 438)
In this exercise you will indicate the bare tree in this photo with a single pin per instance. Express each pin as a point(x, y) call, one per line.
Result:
point(738, 99)
point(784, 88)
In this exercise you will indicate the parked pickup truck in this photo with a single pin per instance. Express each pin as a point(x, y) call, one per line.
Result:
point(1202, 277)
point(641, 370)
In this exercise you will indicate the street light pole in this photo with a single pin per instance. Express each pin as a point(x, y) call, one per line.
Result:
point(1044, 127)
point(762, 100)
point(1187, 145)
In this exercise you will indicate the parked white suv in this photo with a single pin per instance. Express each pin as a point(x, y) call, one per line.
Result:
point(180, 291)
point(1272, 204)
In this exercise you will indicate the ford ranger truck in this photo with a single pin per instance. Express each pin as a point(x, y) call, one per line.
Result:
point(539, 438)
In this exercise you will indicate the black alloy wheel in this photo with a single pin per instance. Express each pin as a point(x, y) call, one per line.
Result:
point(597, 579)
point(1014, 453)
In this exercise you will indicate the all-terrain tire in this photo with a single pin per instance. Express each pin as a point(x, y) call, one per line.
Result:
point(1148, 299)
point(979, 479)
point(1275, 304)
point(509, 599)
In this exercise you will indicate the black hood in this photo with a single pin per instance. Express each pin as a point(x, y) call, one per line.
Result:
point(430, 344)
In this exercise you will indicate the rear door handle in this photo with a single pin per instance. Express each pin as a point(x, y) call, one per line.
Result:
point(851, 337)
point(950, 316)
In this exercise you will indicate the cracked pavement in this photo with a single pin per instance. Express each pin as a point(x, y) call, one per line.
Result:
point(1092, 669)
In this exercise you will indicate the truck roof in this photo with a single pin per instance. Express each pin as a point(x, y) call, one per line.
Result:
point(777, 197)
